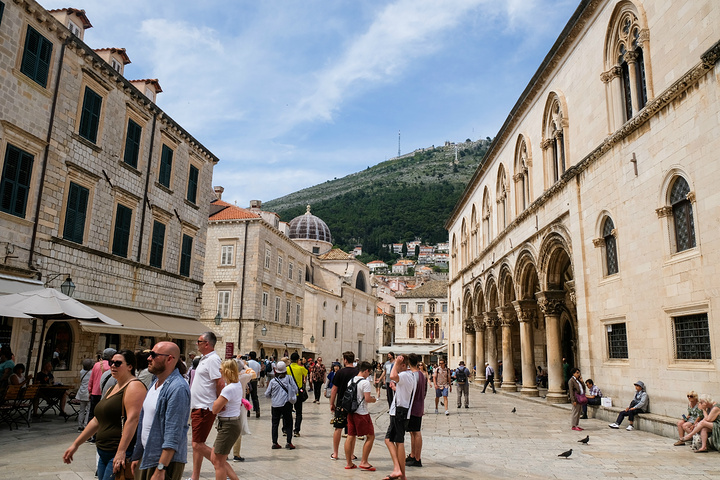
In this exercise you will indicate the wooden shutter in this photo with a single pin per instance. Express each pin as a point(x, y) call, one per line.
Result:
point(192, 184)
point(132, 144)
point(90, 119)
point(158, 243)
point(15, 183)
point(75, 213)
point(186, 255)
point(121, 237)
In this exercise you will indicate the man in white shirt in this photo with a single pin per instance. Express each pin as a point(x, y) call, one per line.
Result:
point(387, 368)
point(206, 387)
point(360, 422)
point(405, 384)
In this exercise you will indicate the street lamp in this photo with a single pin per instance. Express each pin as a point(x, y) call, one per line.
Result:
point(218, 318)
point(312, 338)
point(68, 287)
point(263, 330)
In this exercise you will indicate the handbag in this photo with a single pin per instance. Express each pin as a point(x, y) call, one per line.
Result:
point(581, 398)
point(302, 393)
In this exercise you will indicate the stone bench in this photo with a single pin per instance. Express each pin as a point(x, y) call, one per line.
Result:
point(647, 422)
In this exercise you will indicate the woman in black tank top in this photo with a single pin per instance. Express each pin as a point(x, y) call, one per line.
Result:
point(116, 418)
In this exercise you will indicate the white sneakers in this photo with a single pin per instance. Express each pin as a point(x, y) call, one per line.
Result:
point(629, 428)
point(447, 412)
point(614, 425)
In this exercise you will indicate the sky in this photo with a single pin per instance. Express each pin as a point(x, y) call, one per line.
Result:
point(291, 93)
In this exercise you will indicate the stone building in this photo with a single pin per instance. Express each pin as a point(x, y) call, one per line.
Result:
point(421, 322)
point(284, 285)
point(589, 231)
point(99, 185)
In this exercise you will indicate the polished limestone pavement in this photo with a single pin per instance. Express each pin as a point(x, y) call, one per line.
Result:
point(486, 441)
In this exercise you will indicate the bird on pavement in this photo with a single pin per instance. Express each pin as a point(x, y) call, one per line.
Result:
point(514, 410)
point(585, 440)
point(566, 454)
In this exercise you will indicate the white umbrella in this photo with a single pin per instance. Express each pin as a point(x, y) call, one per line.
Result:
point(11, 312)
point(49, 304)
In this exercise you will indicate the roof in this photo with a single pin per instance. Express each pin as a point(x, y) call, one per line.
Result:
point(377, 262)
point(119, 51)
point(336, 254)
point(75, 11)
point(230, 212)
point(309, 227)
point(153, 81)
point(431, 289)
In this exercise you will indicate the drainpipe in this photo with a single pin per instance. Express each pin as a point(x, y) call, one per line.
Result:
point(242, 289)
point(43, 171)
point(147, 187)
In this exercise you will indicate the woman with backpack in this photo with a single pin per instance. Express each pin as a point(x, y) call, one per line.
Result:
point(283, 394)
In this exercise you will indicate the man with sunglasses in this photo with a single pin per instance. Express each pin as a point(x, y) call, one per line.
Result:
point(161, 449)
point(206, 388)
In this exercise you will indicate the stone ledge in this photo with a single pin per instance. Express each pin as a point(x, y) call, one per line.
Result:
point(647, 422)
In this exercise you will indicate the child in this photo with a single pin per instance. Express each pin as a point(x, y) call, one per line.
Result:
point(283, 392)
point(228, 408)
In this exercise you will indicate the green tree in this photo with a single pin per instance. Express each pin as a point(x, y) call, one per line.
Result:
point(404, 249)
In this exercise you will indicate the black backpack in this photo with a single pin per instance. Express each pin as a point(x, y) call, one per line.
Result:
point(460, 375)
point(349, 402)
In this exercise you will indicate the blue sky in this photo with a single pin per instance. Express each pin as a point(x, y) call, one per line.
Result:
point(290, 93)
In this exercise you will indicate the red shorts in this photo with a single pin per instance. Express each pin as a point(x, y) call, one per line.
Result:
point(202, 422)
point(360, 425)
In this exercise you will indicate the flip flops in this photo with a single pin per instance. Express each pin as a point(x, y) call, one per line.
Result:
point(350, 467)
point(369, 468)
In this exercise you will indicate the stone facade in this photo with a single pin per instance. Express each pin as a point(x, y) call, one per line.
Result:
point(590, 229)
point(81, 177)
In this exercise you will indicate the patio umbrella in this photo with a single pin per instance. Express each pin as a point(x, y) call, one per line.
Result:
point(48, 304)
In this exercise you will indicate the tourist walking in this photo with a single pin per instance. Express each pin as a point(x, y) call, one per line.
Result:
point(387, 367)
point(245, 375)
point(461, 376)
point(83, 394)
point(228, 408)
point(405, 386)
point(116, 419)
point(489, 378)
point(299, 374)
point(416, 412)
point(319, 372)
point(359, 422)
point(340, 381)
point(253, 394)
point(283, 394)
point(206, 385)
point(163, 427)
point(443, 385)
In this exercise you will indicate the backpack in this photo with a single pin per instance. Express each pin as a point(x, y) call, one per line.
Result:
point(460, 375)
point(268, 368)
point(349, 402)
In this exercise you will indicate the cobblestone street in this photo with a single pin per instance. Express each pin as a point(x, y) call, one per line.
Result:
point(484, 441)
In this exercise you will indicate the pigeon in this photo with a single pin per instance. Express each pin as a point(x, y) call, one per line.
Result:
point(566, 454)
point(585, 440)
point(514, 410)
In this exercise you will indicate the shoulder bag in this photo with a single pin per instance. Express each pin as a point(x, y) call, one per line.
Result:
point(302, 393)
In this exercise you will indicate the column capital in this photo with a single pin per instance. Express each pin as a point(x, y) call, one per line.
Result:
point(525, 310)
point(491, 319)
point(551, 302)
point(507, 315)
point(478, 323)
point(469, 328)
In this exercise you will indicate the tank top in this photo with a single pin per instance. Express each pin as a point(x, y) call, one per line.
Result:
point(108, 413)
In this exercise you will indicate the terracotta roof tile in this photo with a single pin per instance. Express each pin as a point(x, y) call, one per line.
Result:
point(431, 289)
point(336, 254)
point(231, 212)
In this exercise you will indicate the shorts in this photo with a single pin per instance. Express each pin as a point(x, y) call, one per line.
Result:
point(202, 421)
point(414, 424)
point(339, 419)
point(228, 432)
point(441, 392)
point(396, 429)
point(360, 425)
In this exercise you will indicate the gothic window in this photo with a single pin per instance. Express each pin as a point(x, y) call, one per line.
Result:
point(522, 176)
point(502, 199)
point(611, 260)
point(486, 212)
point(432, 328)
point(554, 142)
point(453, 255)
point(463, 244)
point(682, 214)
point(474, 247)
point(360, 282)
point(411, 328)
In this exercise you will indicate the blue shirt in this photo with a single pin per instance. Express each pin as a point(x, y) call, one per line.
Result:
point(279, 395)
point(170, 425)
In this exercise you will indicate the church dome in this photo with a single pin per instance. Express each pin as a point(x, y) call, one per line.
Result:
point(309, 227)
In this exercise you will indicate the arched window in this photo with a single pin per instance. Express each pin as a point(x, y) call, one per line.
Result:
point(432, 328)
point(464, 244)
point(682, 213)
point(360, 282)
point(611, 260)
point(58, 346)
point(625, 62)
point(453, 255)
point(411, 328)
point(522, 175)
point(502, 199)
point(554, 142)
point(474, 247)
point(486, 213)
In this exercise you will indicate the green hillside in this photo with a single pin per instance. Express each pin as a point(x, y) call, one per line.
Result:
point(397, 200)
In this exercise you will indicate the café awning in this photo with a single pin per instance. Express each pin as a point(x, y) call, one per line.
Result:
point(135, 322)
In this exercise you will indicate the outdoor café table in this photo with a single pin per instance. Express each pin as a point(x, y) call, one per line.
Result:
point(51, 395)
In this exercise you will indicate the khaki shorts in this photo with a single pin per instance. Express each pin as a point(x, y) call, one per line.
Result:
point(228, 432)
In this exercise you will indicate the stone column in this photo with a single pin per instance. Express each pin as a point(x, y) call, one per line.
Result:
point(507, 316)
point(526, 311)
point(469, 344)
point(552, 303)
point(479, 347)
point(631, 59)
point(491, 323)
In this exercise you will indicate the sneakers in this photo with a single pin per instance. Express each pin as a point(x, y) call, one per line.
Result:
point(436, 411)
point(409, 461)
point(290, 446)
point(614, 425)
point(276, 446)
point(416, 463)
point(577, 429)
point(361, 437)
point(629, 428)
point(584, 417)
point(238, 459)
point(467, 406)
point(297, 434)
point(447, 412)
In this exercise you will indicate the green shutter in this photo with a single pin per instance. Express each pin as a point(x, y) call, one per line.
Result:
point(186, 255)
point(15, 182)
point(132, 144)
point(157, 244)
point(75, 213)
point(165, 166)
point(2, 10)
point(192, 184)
point(36, 57)
point(121, 237)
point(90, 119)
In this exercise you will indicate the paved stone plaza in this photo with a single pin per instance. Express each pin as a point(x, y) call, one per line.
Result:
point(484, 441)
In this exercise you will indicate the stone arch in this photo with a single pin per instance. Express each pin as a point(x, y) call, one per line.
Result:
point(526, 275)
point(506, 286)
point(502, 197)
point(555, 143)
point(360, 282)
point(522, 174)
point(555, 259)
point(479, 298)
point(468, 307)
point(491, 295)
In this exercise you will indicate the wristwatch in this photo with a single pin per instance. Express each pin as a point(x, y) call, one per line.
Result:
point(160, 467)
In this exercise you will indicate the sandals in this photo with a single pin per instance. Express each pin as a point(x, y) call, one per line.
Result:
point(701, 451)
point(369, 468)
point(679, 443)
point(350, 467)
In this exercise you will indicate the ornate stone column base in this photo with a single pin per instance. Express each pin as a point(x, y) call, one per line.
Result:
point(554, 397)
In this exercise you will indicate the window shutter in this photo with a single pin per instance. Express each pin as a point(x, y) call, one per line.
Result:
point(186, 255)
point(165, 166)
point(132, 144)
point(75, 213)
point(158, 242)
point(192, 184)
point(15, 183)
point(121, 238)
point(90, 119)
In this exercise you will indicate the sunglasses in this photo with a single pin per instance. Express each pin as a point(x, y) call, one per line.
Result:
point(116, 363)
point(154, 355)
point(691, 396)
point(202, 341)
